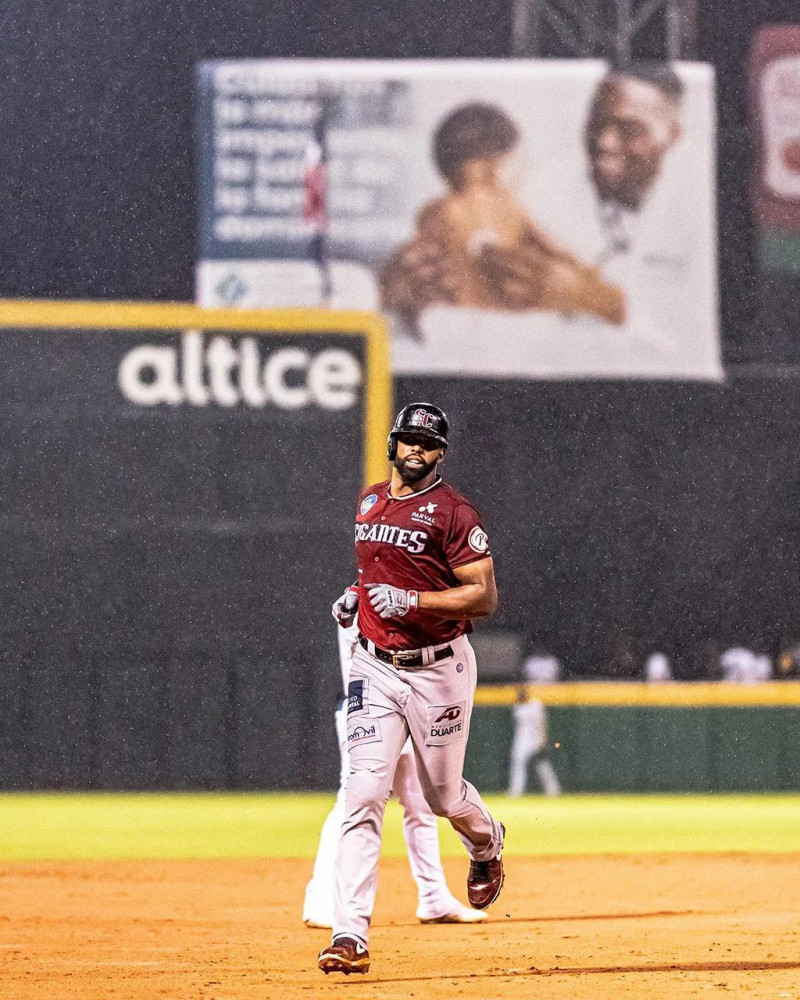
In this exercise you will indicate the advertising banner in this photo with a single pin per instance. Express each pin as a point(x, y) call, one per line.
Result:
point(512, 219)
point(177, 512)
point(186, 435)
point(775, 102)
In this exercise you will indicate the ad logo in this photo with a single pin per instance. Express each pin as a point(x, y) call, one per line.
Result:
point(360, 733)
point(364, 733)
point(444, 724)
point(425, 513)
point(247, 371)
point(231, 289)
point(355, 696)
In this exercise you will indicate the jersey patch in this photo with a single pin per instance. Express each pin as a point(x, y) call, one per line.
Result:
point(478, 540)
point(444, 724)
point(357, 695)
point(425, 513)
point(364, 732)
point(368, 503)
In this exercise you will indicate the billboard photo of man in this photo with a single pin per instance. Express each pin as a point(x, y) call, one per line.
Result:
point(633, 122)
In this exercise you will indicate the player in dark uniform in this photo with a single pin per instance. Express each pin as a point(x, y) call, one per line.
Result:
point(425, 571)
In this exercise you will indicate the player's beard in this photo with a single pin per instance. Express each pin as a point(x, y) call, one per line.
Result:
point(413, 475)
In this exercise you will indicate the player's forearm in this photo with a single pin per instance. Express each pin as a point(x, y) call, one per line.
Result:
point(471, 600)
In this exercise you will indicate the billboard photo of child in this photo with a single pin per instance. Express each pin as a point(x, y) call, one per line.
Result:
point(475, 148)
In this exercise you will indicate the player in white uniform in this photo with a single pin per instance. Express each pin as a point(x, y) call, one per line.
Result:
point(437, 905)
point(530, 742)
point(530, 728)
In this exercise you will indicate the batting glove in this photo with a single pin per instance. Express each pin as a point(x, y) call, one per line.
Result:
point(345, 608)
point(391, 602)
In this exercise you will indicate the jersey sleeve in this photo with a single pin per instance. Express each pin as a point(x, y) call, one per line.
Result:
point(466, 539)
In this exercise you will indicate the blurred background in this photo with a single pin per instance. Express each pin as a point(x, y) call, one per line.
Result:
point(632, 441)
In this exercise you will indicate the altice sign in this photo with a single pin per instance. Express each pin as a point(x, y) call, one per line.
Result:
point(243, 371)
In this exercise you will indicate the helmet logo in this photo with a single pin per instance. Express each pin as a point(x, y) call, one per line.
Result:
point(423, 419)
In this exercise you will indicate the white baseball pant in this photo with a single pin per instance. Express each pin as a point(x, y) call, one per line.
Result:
point(398, 703)
point(420, 832)
point(420, 829)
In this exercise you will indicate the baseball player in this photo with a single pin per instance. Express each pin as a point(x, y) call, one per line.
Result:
point(530, 743)
point(437, 905)
point(425, 572)
point(530, 728)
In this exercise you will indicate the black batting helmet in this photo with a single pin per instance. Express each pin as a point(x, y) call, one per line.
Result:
point(419, 418)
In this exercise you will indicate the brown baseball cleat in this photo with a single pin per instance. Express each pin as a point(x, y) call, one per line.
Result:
point(485, 880)
point(344, 955)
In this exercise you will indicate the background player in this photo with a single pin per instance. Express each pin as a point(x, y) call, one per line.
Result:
point(437, 905)
point(424, 572)
point(530, 743)
point(530, 727)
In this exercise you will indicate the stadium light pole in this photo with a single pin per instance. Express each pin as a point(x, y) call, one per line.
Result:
point(602, 28)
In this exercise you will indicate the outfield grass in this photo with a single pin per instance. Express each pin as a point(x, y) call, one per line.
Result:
point(58, 826)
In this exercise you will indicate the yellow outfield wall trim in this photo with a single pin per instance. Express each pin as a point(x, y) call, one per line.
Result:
point(688, 694)
point(169, 316)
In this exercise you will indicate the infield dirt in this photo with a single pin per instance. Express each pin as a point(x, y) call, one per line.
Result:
point(646, 926)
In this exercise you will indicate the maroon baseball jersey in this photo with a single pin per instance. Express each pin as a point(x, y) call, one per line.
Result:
point(414, 542)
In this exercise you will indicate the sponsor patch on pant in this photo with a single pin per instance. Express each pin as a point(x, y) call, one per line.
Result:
point(357, 691)
point(444, 724)
point(363, 732)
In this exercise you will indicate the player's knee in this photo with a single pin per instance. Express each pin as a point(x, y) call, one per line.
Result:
point(444, 800)
point(366, 795)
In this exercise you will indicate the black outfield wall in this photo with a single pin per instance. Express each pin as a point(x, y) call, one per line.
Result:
point(167, 575)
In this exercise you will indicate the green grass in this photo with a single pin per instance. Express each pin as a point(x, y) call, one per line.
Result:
point(57, 826)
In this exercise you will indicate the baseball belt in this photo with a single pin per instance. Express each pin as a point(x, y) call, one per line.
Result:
point(407, 659)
